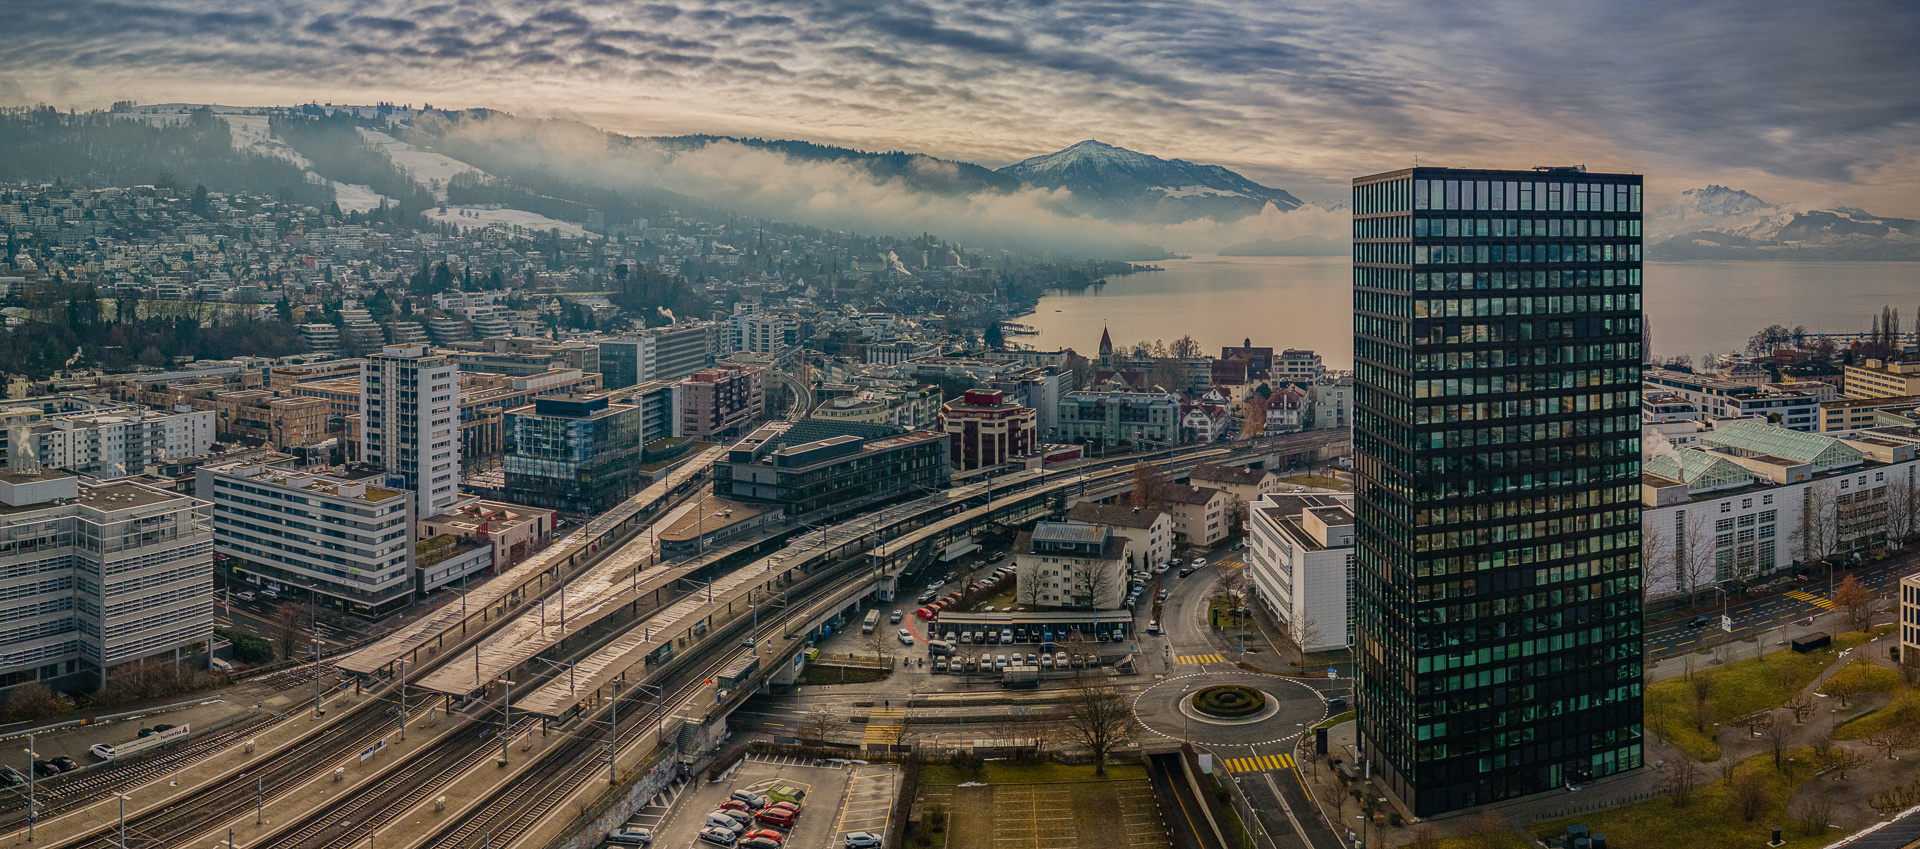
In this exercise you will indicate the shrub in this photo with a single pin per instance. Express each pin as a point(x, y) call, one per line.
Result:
point(1229, 701)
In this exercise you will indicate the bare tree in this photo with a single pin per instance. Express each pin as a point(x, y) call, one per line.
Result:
point(1779, 736)
point(1814, 814)
point(1149, 487)
point(1903, 511)
point(1092, 583)
point(1819, 523)
point(1488, 830)
point(289, 618)
point(1842, 687)
point(1844, 760)
point(34, 702)
point(1253, 416)
point(1425, 837)
point(1801, 706)
point(1098, 718)
point(1728, 766)
point(817, 723)
point(1678, 781)
point(880, 643)
point(1026, 586)
point(1750, 795)
point(1693, 557)
point(1856, 601)
point(1891, 741)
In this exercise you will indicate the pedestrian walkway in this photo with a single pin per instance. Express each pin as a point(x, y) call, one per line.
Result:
point(1810, 598)
point(884, 727)
point(1260, 763)
point(1231, 564)
point(1197, 659)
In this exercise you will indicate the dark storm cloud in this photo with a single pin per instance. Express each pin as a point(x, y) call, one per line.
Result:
point(1820, 90)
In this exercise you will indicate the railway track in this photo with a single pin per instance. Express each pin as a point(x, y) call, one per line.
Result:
point(369, 808)
point(218, 801)
point(62, 794)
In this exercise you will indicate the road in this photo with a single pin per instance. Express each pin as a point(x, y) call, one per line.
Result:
point(1185, 814)
point(1768, 616)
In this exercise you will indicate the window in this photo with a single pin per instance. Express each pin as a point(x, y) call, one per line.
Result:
point(1726, 507)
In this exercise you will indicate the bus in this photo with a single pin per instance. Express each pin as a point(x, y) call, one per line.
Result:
point(872, 621)
point(109, 751)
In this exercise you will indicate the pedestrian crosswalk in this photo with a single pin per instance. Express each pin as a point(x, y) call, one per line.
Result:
point(1230, 564)
point(1260, 762)
point(1197, 659)
point(1810, 598)
point(884, 727)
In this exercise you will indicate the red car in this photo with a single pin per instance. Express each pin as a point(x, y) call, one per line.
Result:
point(792, 807)
point(924, 613)
point(735, 805)
point(777, 816)
point(765, 834)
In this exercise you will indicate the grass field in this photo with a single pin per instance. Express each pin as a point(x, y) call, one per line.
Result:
point(1044, 806)
point(1317, 481)
point(1709, 821)
point(1735, 690)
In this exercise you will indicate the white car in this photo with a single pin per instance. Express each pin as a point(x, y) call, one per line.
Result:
point(906, 637)
point(1199, 562)
point(244, 595)
point(862, 840)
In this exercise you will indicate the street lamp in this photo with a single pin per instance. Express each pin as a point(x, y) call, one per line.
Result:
point(33, 806)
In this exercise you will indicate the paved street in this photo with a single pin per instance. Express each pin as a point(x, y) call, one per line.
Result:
point(1771, 617)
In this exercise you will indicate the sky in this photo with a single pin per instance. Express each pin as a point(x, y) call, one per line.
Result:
point(1793, 100)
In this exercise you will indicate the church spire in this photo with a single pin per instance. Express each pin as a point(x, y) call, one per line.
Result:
point(1106, 342)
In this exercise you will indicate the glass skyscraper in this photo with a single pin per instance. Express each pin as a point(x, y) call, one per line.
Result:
point(1497, 474)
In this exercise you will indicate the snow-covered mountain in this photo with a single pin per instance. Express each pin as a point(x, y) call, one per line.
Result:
point(1113, 182)
point(1722, 223)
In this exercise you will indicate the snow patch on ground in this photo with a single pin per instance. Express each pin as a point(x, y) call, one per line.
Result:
point(429, 169)
point(483, 216)
point(1201, 192)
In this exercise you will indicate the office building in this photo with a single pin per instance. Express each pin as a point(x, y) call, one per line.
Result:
point(662, 353)
point(1882, 379)
point(822, 470)
point(410, 423)
point(1071, 565)
point(1910, 620)
point(984, 429)
point(340, 534)
point(107, 442)
point(97, 574)
point(1300, 560)
point(1497, 334)
point(575, 453)
point(1717, 397)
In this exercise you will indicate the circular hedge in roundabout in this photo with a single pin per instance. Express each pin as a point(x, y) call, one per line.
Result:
point(1229, 701)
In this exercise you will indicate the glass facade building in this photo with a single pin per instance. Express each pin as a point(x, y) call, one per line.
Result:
point(573, 453)
point(1497, 334)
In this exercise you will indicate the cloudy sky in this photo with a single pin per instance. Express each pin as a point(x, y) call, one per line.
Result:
point(1795, 100)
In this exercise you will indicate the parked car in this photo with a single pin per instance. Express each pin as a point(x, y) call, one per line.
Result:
point(1000, 662)
point(722, 821)
point(1046, 661)
point(742, 817)
point(777, 816)
point(1199, 562)
point(735, 805)
point(1060, 660)
point(12, 777)
point(1033, 659)
point(758, 843)
point(785, 806)
point(862, 840)
point(66, 764)
point(1185, 571)
point(717, 836)
point(767, 833)
point(631, 837)
point(1006, 635)
point(753, 800)
point(244, 595)
point(906, 637)
point(45, 768)
point(939, 665)
point(894, 617)
point(924, 613)
point(274, 594)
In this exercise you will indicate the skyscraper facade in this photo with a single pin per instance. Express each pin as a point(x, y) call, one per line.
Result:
point(410, 423)
point(1497, 462)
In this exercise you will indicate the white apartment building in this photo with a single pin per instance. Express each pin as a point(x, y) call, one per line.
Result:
point(1201, 515)
point(765, 333)
point(410, 422)
point(1150, 531)
point(1910, 619)
point(1295, 365)
point(1300, 560)
point(111, 443)
point(342, 535)
point(1071, 564)
point(98, 574)
point(1333, 404)
point(1733, 399)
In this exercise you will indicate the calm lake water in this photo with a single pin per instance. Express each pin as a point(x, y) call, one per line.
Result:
point(1306, 302)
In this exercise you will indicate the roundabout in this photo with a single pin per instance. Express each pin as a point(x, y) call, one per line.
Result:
point(1229, 708)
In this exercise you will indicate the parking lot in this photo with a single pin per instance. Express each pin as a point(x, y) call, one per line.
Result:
point(839, 798)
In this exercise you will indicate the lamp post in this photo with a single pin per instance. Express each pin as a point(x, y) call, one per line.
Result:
point(613, 737)
point(33, 805)
point(506, 723)
point(123, 818)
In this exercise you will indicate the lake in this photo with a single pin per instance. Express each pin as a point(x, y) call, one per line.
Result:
point(1306, 302)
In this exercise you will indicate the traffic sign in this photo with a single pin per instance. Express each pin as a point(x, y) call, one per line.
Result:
point(1726, 623)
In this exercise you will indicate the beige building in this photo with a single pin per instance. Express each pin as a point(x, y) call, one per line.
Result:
point(1200, 514)
point(1245, 483)
point(513, 530)
point(1856, 413)
point(1910, 620)
point(1882, 379)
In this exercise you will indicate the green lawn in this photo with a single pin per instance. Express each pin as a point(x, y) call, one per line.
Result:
point(1737, 689)
point(1864, 676)
point(1903, 709)
point(1319, 481)
point(1334, 720)
point(1708, 822)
